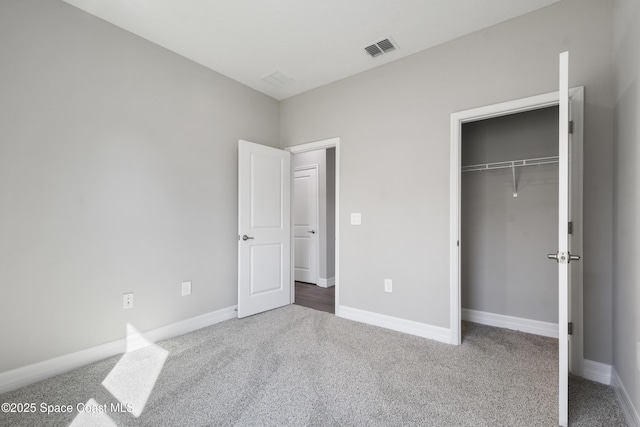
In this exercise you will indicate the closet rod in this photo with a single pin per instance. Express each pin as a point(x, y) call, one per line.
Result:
point(511, 164)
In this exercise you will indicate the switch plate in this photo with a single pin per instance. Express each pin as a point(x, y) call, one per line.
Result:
point(388, 285)
point(186, 288)
point(356, 219)
point(127, 300)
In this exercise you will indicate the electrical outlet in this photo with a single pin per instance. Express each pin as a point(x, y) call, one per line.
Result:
point(127, 300)
point(186, 288)
point(388, 285)
point(356, 219)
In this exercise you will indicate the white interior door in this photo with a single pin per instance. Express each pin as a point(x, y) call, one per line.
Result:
point(305, 225)
point(264, 228)
point(563, 256)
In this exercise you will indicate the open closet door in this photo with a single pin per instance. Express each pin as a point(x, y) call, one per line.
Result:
point(563, 257)
point(264, 228)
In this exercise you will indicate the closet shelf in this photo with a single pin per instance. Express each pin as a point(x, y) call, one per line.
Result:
point(511, 164)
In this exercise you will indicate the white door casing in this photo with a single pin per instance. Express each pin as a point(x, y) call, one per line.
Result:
point(264, 228)
point(497, 110)
point(305, 224)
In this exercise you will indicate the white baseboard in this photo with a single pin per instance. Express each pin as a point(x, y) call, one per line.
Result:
point(326, 283)
point(436, 333)
point(509, 322)
point(20, 377)
point(628, 409)
point(596, 371)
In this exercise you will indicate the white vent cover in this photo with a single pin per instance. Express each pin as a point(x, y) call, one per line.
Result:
point(278, 79)
point(383, 46)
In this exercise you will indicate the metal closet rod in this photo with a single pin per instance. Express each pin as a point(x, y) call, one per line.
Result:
point(511, 164)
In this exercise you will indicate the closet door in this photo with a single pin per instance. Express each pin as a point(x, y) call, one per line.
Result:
point(563, 257)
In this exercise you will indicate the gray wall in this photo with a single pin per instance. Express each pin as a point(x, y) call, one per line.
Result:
point(393, 122)
point(626, 232)
point(118, 172)
point(505, 239)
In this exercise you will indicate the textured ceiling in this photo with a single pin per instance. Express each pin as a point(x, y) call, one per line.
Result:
point(313, 42)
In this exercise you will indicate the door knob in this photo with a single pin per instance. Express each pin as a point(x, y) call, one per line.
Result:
point(245, 237)
point(564, 257)
point(312, 231)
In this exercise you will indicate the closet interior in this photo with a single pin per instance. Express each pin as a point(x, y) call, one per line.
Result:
point(509, 217)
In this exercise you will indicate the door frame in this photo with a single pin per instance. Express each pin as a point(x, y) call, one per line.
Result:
point(313, 146)
point(317, 214)
point(496, 110)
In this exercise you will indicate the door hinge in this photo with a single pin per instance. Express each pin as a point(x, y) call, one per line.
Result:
point(570, 328)
point(570, 227)
point(571, 126)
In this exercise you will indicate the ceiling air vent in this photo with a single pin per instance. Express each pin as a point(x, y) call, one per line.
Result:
point(383, 46)
point(278, 79)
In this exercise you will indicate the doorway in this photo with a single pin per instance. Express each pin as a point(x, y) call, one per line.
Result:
point(576, 98)
point(265, 230)
point(313, 218)
point(315, 224)
point(509, 220)
point(570, 125)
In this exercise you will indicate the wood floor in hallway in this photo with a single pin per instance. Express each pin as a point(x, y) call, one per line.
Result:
point(316, 297)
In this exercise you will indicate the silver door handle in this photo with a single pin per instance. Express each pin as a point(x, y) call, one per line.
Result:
point(245, 237)
point(564, 257)
point(312, 231)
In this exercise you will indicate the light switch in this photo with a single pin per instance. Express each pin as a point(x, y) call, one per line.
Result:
point(356, 219)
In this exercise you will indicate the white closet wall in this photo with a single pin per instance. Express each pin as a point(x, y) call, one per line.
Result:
point(505, 239)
